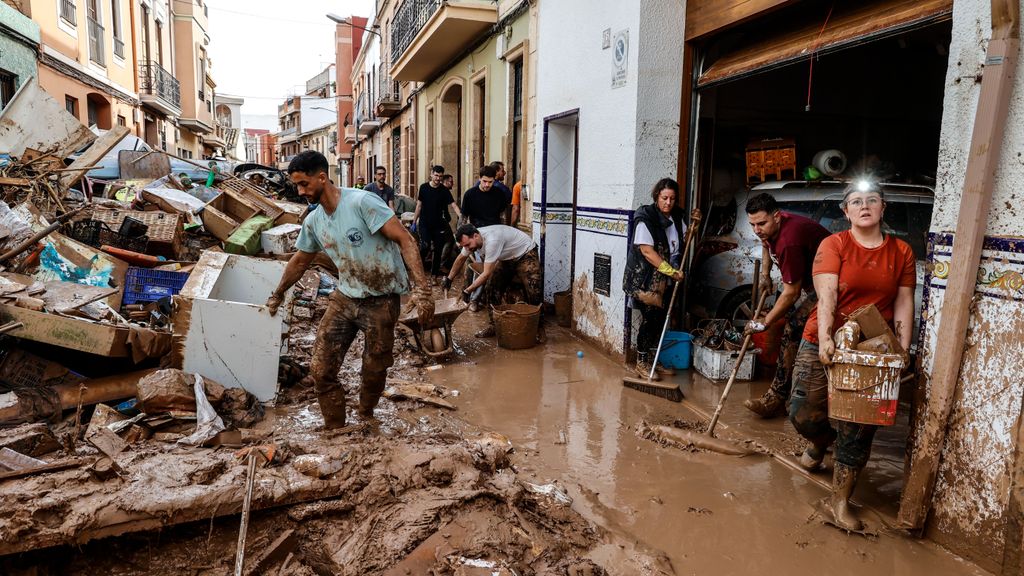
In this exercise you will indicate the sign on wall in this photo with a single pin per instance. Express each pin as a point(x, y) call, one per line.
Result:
point(603, 274)
point(620, 58)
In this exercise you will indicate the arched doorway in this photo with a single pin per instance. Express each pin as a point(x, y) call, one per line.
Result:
point(224, 115)
point(451, 134)
point(98, 111)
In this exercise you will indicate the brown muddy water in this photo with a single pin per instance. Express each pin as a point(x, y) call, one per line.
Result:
point(571, 420)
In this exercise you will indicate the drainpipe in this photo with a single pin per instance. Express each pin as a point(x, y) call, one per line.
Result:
point(135, 67)
point(975, 201)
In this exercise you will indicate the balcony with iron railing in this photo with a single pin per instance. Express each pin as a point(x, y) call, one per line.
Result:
point(159, 89)
point(425, 34)
point(366, 119)
point(389, 97)
point(96, 43)
point(68, 12)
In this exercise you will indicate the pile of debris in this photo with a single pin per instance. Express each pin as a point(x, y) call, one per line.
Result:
point(144, 385)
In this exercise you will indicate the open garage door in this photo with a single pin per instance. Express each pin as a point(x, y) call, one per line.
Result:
point(818, 28)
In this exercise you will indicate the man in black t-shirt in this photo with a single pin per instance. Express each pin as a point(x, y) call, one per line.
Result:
point(432, 202)
point(483, 204)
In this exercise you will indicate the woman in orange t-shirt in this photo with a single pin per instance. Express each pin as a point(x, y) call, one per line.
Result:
point(852, 269)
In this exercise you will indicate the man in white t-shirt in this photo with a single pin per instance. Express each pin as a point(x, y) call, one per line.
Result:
point(517, 255)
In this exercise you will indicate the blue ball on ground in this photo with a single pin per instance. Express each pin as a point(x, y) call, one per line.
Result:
point(579, 354)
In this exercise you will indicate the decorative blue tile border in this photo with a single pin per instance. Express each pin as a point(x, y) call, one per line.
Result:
point(1000, 272)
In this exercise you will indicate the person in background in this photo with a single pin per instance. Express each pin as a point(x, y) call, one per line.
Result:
point(790, 241)
point(653, 262)
point(517, 197)
point(432, 202)
point(380, 187)
point(360, 183)
point(404, 203)
point(852, 269)
point(482, 205)
point(368, 245)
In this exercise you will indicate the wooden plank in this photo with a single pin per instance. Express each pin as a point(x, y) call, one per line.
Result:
point(704, 17)
point(55, 467)
point(5, 181)
point(93, 155)
point(847, 24)
point(33, 119)
point(975, 201)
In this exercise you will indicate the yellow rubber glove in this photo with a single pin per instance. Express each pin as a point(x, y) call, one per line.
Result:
point(666, 268)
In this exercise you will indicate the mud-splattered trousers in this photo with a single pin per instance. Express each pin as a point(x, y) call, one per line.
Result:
point(796, 320)
point(376, 317)
point(526, 269)
point(808, 411)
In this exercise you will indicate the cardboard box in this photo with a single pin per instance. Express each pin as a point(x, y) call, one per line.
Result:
point(873, 325)
point(718, 364)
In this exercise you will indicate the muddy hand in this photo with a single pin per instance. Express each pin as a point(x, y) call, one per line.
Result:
point(826, 349)
point(446, 284)
point(424, 306)
point(766, 285)
point(753, 327)
point(273, 303)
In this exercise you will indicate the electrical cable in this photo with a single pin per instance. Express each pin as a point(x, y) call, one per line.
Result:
point(814, 53)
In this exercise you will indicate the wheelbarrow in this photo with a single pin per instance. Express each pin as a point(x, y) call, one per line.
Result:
point(434, 339)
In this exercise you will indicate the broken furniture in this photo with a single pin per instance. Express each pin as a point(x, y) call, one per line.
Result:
point(222, 329)
point(769, 159)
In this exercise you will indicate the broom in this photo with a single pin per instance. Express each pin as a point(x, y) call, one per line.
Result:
point(670, 392)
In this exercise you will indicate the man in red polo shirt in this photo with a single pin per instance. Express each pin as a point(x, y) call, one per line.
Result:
point(791, 241)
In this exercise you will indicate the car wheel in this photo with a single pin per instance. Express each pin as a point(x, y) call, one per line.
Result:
point(737, 307)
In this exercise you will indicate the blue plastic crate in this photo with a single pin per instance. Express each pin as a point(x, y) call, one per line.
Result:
point(145, 285)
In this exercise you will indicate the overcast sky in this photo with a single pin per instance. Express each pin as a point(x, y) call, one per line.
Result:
point(264, 50)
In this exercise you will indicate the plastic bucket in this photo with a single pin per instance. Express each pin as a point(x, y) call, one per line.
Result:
point(563, 308)
point(516, 325)
point(864, 387)
point(676, 350)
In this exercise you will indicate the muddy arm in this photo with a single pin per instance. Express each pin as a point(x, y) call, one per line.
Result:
point(481, 279)
point(903, 315)
point(827, 287)
point(460, 261)
point(789, 296)
point(655, 259)
point(394, 231)
point(297, 266)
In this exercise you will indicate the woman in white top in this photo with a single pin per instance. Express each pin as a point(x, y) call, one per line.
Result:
point(654, 257)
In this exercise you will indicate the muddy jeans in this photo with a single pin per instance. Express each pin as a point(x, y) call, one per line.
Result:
point(808, 411)
point(796, 319)
point(526, 269)
point(376, 317)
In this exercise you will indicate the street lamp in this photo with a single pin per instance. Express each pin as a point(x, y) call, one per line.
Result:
point(341, 20)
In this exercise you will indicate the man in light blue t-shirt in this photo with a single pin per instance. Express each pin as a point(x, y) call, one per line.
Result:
point(368, 244)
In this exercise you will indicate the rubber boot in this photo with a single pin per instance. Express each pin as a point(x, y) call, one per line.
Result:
point(332, 406)
point(769, 405)
point(660, 368)
point(643, 367)
point(844, 479)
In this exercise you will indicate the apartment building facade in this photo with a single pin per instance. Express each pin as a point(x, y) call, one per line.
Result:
point(197, 128)
point(383, 131)
point(19, 43)
point(86, 58)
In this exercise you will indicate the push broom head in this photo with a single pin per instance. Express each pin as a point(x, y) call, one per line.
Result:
point(670, 392)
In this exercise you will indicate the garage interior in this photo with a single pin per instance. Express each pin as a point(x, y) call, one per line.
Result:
point(874, 91)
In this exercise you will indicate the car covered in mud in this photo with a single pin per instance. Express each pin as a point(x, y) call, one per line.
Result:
point(724, 265)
